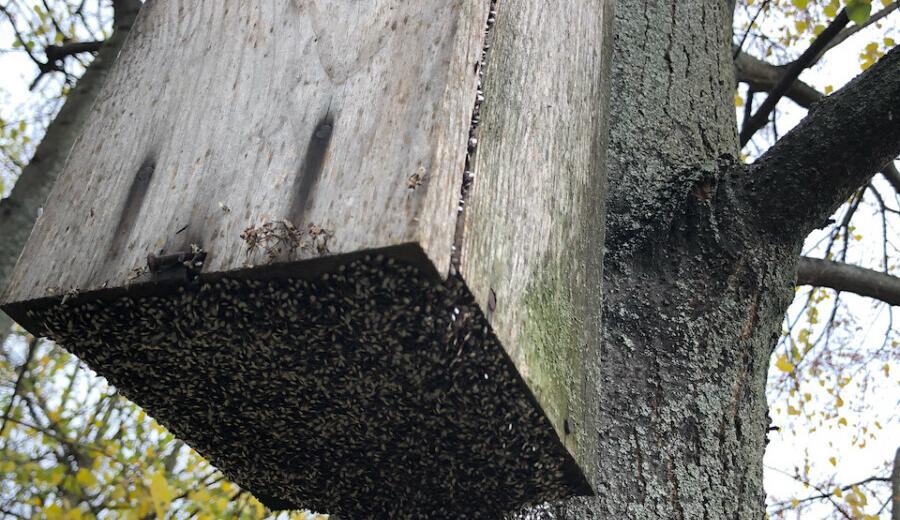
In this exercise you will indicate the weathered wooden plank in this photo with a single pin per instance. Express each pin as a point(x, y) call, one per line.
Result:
point(220, 118)
point(532, 242)
point(311, 153)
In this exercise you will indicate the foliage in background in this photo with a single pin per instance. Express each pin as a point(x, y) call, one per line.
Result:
point(29, 28)
point(833, 385)
point(72, 447)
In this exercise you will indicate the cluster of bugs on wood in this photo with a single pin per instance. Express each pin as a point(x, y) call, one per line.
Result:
point(282, 236)
point(270, 377)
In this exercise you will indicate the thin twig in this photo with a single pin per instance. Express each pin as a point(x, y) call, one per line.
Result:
point(740, 45)
point(32, 347)
point(793, 72)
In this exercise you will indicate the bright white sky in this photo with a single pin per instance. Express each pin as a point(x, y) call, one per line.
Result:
point(880, 401)
point(786, 450)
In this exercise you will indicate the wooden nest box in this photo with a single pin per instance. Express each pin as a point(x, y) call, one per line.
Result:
point(348, 251)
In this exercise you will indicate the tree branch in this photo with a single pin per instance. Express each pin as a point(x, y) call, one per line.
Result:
point(890, 173)
point(844, 140)
point(59, 52)
point(124, 13)
point(12, 22)
point(7, 414)
point(806, 59)
point(827, 494)
point(740, 46)
point(763, 77)
point(849, 278)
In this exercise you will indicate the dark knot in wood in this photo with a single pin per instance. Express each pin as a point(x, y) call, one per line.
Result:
point(192, 260)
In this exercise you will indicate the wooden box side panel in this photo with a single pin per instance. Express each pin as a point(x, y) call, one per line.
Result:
point(218, 116)
point(534, 222)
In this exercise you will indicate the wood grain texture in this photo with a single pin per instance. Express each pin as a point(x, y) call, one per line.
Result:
point(532, 243)
point(224, 115)
point(355, 117)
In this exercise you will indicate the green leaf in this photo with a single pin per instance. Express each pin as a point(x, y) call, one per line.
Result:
point(859, 10)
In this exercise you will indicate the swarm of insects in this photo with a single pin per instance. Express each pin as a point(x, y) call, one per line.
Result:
point(369, 391)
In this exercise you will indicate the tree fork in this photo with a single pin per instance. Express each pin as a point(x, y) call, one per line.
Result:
point(842, 142)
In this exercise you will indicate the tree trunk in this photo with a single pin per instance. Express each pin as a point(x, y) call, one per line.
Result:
point(693, 297)
point(895, 487)
point(701, 258)
point(19, 211)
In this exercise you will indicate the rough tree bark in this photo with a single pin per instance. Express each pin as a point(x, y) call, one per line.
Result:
point(895, 487)
point(701, 258)
point(763, 77)
point(19, 211)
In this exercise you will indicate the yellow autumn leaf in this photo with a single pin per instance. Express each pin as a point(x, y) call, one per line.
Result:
point(784, 364)
point(842, 421)
point(161, 493)
point(792, 411)
point(833, 461)
point(54, 512)
point(860, 496)
point(118, 493)
point(85, 478)
point(56, 476)
point(54, 415)
point(838, 492)
point(258, 509)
